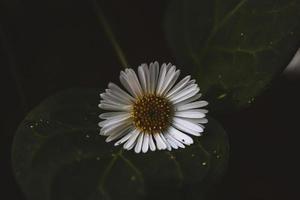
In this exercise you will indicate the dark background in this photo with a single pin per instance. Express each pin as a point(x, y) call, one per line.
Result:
point(48, 46)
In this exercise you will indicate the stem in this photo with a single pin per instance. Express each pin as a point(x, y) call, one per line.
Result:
point(110, 34)
point(13, 70)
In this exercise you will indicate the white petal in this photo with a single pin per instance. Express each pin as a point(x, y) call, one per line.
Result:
point(152, 81)
point(189, 84)
point(114, 115)
point(118, 91)
point(142, 77)
point(125, 138)
point(136, 86)
point(151, 143)
point(131, 146)
point(121, 97)
point(173, 144)
point(161, 78)
point(183, 92)
point(112, 103)
point(173, 140)
point(138, 146)
point(145, 143)
point(196, 104)
point(107, 106)
point(147, 75)
point(125, 82)
point(188, 95)
point(181, 84)
point(193, 113)
point(171, 83)
point(159, 142)
point(168, 78)
point(109, 97)
point(202, 126)
point(193, 98)
point(107, 130)
point(186, 123)
point(119, 133)
point(109, 115)
point(154, 71)
point(165, 141)
point(203, 110)
point(127, 79)
point(178, 135)
point(187, 129)
point(114, 120)
point(199, 121)
point(132, 139)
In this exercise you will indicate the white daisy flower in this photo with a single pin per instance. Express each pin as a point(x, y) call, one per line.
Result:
point(153, 112)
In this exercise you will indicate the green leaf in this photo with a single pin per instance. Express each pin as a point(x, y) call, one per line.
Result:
point(58, 155)
point(236, 47)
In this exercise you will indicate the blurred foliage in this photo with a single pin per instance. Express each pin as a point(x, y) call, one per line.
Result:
point(235, 47)
point(58, 154)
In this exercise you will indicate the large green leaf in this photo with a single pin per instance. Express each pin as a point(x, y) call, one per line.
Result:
point(58, 155)
point(235, 46)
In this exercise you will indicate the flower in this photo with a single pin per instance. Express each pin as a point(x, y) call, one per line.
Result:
point(154, 113)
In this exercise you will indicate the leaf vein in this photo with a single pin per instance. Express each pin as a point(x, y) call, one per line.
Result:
point(186, 38)
point(207, 154)
point(132, 166)
point(252, 52)
point(217, 27)
point(107, 171)
point(177, 165)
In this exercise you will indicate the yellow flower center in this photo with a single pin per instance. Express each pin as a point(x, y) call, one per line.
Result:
point(152, 114)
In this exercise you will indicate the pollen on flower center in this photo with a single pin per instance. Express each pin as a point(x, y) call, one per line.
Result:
point(152, 114)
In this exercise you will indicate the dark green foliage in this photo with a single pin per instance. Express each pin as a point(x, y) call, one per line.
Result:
point(58, 155)
point(234, 46)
